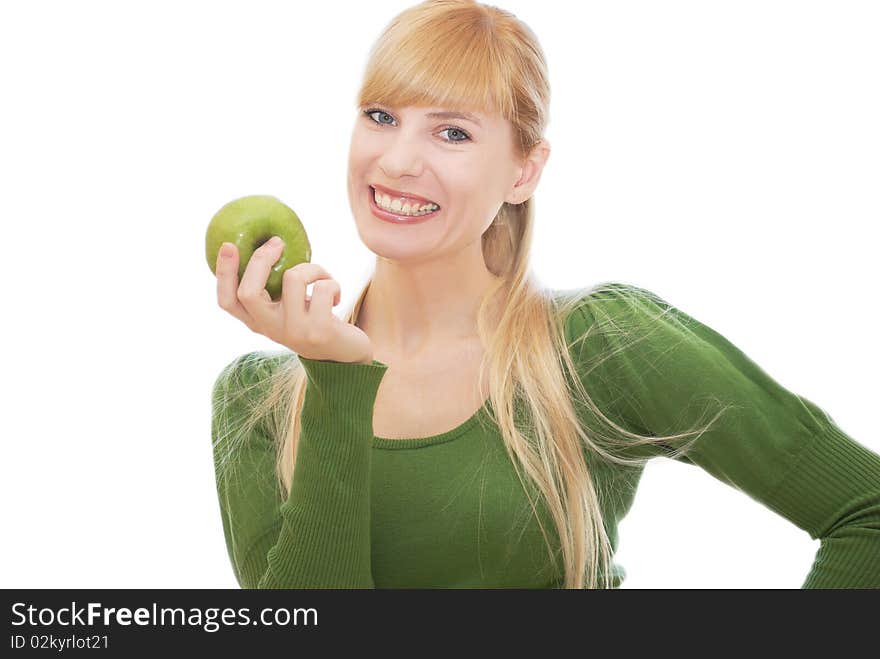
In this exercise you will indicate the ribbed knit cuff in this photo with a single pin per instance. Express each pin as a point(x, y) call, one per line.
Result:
point(337, 411)
point(833, 492)
point(325, 536)
point(338, 386)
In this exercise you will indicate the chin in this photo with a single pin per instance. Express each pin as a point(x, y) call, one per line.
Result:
point(392, 248)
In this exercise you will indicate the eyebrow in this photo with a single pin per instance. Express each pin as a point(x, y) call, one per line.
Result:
point(454, 115)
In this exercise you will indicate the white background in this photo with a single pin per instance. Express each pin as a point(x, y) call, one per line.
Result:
point(720, 154)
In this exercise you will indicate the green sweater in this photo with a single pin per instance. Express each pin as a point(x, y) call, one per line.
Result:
point(448, 511)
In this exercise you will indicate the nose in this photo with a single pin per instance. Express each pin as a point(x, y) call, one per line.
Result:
point(403, 155)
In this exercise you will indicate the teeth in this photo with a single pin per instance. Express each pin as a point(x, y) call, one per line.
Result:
point(395, 206)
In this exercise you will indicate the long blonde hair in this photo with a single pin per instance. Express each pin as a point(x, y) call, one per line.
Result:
point(463, 54)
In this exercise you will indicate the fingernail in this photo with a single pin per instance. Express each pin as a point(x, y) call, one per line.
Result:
point(276, 241)
point(226, 250)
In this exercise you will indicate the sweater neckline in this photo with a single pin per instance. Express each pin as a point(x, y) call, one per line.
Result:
point(420, 442)
point(460, 430)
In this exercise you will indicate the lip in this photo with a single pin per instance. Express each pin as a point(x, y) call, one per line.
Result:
point(393, 218)
point(397, 193)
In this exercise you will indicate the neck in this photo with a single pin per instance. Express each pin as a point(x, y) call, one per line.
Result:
point(411, 307)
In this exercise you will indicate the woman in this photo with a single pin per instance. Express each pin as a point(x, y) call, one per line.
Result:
point(461, 426)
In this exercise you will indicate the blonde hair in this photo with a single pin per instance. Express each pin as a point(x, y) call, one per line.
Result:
point(465, 55)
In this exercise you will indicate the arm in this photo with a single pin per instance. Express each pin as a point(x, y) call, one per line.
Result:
point(779, 448)
point(320, 536)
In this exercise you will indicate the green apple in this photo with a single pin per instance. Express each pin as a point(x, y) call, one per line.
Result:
point(250, 221)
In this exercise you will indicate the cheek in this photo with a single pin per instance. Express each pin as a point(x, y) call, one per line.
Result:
point(476, 200)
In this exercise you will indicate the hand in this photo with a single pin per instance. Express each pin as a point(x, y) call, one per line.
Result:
point(304, 323)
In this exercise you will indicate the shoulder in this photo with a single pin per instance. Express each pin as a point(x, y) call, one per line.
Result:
point(609, 306)
point(248, 370)
point(615, 323)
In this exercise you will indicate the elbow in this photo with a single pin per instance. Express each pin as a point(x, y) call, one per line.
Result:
point(860, 517)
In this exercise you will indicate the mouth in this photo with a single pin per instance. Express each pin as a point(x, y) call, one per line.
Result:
point(398, 212)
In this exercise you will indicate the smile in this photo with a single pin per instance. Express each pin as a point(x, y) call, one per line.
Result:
point(397, 213)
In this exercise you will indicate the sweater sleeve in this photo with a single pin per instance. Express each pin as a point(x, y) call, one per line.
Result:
point(662, 372)
point(319, 537)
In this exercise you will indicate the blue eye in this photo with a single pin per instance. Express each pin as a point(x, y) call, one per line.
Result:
point(369, 113)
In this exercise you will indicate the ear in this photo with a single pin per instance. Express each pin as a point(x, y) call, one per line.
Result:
point(530, 173)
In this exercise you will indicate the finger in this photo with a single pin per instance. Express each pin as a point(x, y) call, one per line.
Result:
point(324, 293)
point(252, 291)
point(227, 283)
point(293, 290)
point(337, 292)
point(336, 298)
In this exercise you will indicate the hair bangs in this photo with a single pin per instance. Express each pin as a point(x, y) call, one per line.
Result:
point(452, 65)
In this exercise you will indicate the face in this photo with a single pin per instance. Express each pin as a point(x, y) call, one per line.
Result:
point(467, 168)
